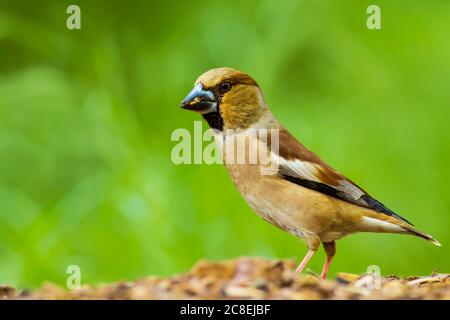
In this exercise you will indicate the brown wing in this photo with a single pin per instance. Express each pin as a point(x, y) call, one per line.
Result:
point(299, 165)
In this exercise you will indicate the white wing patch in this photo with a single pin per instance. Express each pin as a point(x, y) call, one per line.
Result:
point(310, 171)
point(297, 168)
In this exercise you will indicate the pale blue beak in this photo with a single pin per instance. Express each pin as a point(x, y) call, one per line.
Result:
point(200, 100)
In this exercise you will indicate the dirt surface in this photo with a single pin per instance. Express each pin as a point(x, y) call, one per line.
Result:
point(251, 278)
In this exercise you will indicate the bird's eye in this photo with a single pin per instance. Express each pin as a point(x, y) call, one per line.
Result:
point(224, 87)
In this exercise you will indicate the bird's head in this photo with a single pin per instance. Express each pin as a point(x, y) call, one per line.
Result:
point(227, 99)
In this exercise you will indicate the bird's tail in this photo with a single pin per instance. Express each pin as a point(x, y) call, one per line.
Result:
point(405, 228)
point(423, 235)
point(413, 231)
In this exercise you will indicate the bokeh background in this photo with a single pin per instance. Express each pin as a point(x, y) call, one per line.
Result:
point(86, 118)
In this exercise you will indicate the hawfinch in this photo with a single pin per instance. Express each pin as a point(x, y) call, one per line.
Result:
point(292, 188)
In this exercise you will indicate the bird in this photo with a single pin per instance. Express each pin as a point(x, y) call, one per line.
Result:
point(298, 192)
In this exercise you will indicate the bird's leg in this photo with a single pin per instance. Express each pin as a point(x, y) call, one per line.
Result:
point(326, 267)
point(313, 243)
point(305, 261)
point(330, 249)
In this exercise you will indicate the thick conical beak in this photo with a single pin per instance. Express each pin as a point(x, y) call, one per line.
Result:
point(200, 100)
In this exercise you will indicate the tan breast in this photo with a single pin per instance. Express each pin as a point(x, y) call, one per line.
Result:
point(291, 207)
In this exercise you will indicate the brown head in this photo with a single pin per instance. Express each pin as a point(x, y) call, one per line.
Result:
point(227, 99)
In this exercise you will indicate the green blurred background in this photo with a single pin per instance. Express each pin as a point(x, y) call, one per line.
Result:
point(86, 118)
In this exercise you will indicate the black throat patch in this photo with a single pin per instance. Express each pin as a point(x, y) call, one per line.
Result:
point(214, 120)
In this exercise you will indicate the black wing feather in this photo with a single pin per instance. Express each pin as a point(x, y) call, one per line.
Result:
point(364, 201)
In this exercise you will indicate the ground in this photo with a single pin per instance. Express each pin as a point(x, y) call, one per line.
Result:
point(251, 278)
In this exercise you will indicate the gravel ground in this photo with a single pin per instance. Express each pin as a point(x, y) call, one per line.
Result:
point(251, 278)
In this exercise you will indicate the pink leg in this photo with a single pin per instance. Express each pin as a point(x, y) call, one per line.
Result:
point(305, 261)
point(326, 267)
